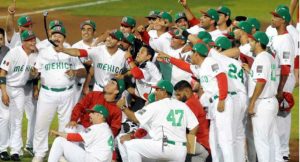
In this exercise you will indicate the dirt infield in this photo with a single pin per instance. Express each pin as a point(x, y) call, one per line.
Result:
point(103, 23)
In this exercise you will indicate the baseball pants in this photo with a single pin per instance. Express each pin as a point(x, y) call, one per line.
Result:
point(4, 126)
point(74, 153)
point(30, 111)
point(201, 153)
point(138, 148)
point(264, 128)
point(221, 132)
point(251, 152)
point(48, 104)
point(239, 114)
point(284, 125)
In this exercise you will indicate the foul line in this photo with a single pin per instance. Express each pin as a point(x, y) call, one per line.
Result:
point(63, 8)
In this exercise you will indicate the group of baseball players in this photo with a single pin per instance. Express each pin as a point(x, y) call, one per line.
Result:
point(208, 89)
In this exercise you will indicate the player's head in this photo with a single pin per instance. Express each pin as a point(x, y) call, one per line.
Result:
point(177, 40)
point(163, 21)
point(98, 114)
point(152, 16)
point(53, 24)
point(238, 19)
point(255, 24)
point(222, 43)
point(181, 20)
point(24, 23)
point(200, 52)
point(28, 39)
point(183, 90)
point(281, 17)
point(114, 39)
point(88, 28)
point(128, 40)
point(163, 89)
point(209, 19)
point(2, 37)
point(242, 29)
point(127, 24)
point(58, 35)
point(145, 54)
point(113, 89)
point(224, 15)
point(258, 42)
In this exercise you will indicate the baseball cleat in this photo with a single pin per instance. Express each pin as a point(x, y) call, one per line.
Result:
point(29, 151)
point(15, 157)
point(4, 156)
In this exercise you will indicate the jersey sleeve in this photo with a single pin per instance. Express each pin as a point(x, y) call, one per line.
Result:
point(146, 114)
point(92, 52)
point(285, 53)
point(259, 69)
point(39, 62)
point(151, 72)
point(76, 63)
point(195, 70)
point(88, 136)
point(7, 62)
point(213, 68)
point(192, 121)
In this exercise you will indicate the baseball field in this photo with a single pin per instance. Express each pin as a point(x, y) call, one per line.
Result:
point(108, 13)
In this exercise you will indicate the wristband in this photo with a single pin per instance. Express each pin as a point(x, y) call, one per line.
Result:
point(185, 34)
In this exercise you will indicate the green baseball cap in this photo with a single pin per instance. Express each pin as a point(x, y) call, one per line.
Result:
point(88, 22)
point(117, 34)
point(177, 34)
point(180, 15)
point(204, 34)
point(165, 85)
point(151, 98)
point(99, 109)
point(201, 49)
point(27, 35)
point(128, 21)
point(24, 21)
point(224, 10)
point(212, 13)
point(55, 23)
point(282, 6)
point(245, 26)
point(223, 42)
point(59, 29)
point(166, 16)
point(153, 14)
point(260, 37)
point(129, 38)
point(254, 23)
point(121, 85)
point(209, 42)
point(282, 13)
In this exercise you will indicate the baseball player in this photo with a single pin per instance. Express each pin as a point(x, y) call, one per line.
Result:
point(241, 32)
point(184, 93)
point(98, 141)
point(263, 105)
point(57, 72)
point(168, 119)
point(15, 71)
point(214, 83)
point(88, 28)
point(283, 47)
point(3, 49)
point(181, 20)
point(152, 16)
point(127, 24)
point(108, 59)
point(255, 24)
point(224, 19)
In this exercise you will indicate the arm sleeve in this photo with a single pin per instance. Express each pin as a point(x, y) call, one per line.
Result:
point(146, 114)
point(181, 64)
point(140, 133)
point(296, 62)
point(74, 137)
point(223, 85)
point(80, 107)
point(285, 70)
point(194, 22)
point(116, 122)
point(145, 37)
point(246, 59)
point(137, 73)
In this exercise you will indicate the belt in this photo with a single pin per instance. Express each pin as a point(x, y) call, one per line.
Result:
point(57, 89)
point(216, 96)
point(176, 143)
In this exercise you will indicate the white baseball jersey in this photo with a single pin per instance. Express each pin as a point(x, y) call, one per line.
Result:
point(151, 77)
point(53, 67)
point(98, 138)
point(153, 34)
point(168, 117)
point(215, 34)
point(17, 64)
point(15, 40)
point(246, 49)
point(284, 49)
point(234, 71)
point(45, 43)
point(264, 67)
point(161, 42)
point(195, 29)
point(105, 64)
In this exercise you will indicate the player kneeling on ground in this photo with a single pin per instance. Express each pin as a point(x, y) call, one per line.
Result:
point(98, 141)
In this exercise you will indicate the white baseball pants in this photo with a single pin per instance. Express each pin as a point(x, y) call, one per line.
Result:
point(284, 125)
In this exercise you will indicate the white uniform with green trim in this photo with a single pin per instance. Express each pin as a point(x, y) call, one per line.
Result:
point(17, 64)
point(266, 108)
point(98, 146)
point(56, 94)
point(106, 65)
point(167, 117)
point(236, 80)
point(221, 126)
